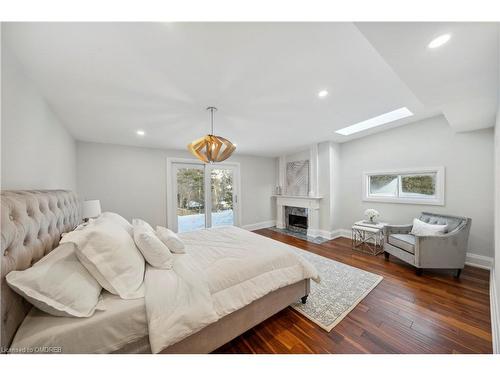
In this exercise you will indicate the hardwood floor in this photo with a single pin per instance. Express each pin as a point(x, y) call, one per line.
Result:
point(405, 313)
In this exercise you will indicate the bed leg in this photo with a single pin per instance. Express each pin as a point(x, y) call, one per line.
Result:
point(304, 299)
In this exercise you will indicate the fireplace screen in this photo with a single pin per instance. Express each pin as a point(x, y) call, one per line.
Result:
point(297, 221)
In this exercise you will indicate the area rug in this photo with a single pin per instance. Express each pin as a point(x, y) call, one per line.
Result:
point(341, 288)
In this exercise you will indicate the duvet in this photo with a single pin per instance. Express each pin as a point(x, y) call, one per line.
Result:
point(223, 270)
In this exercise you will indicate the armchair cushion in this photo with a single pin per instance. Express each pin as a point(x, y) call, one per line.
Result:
point(421, 228)
point(403, 241)
point(392, 229)
point(451, 222)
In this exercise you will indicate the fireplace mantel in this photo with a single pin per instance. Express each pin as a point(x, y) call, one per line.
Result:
point(298, 201)
point(297, 196)
point(311, 203)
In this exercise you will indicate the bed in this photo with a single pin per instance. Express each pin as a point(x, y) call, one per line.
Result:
point(32, 223)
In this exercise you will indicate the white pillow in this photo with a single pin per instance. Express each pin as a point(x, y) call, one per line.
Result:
point(154, 251)
point(170, 239)
point(117, 219)
point(58, 284)
point(421, 228)
point(109, 253)
point(141, 223)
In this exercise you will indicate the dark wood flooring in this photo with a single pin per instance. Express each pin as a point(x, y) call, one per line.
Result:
point(405, 313)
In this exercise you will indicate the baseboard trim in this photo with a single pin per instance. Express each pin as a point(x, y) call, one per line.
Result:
point(320, 233)
point(479, 261)
point(261, 225)
point(340, 233)
point(495, 314)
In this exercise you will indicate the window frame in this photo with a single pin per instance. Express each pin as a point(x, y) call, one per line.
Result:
point(438, 199)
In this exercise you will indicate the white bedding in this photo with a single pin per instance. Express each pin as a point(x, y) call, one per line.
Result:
point(223, 270)
point(123, 322)
point(241, 266)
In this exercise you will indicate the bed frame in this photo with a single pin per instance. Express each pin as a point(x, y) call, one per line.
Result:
point(32, 223)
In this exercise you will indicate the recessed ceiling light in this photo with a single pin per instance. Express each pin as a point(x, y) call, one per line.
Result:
point(439, 41)
point(376, 121)
point(322, 93)
point(140, 132)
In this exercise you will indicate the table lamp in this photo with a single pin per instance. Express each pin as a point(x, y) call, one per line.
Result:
point(91, 209)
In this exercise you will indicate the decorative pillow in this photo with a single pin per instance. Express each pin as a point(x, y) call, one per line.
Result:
point(170, 239)
point(421, 228)
point(117, 219)
point(58, 284)
point(109, 253)
point(136, 223)
point(154, 251)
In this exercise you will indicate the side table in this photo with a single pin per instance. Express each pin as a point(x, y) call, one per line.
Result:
point(367, 235)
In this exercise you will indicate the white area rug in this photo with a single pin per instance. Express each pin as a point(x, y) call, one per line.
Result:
point(342, 287)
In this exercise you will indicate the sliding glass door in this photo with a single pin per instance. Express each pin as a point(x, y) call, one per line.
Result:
point(205, 195)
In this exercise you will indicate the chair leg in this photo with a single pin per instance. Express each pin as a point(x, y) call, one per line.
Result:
point(457, 274)
point(304, 299)
point(386, 255)
point(419, 271)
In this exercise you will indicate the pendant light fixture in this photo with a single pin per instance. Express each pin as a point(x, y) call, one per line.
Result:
point(211, 148)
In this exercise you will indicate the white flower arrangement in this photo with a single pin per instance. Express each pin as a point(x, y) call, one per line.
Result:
point(372, 215)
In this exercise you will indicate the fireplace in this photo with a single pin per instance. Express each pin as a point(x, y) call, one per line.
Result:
point(296, 219)
point(299, 206)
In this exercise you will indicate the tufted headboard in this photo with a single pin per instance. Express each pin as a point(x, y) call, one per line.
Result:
point(32, 223)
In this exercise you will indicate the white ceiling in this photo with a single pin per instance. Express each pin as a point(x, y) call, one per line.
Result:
point(460, 78)
point(106, 80)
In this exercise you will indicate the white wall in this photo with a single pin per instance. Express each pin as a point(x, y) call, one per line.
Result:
point(298, 156)
point(132, 181)
point(37, 150)
point(325, 188)
point(329, 186)
point(467, 157)
point(497, 234)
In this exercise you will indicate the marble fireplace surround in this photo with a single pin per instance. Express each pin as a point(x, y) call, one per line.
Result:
point(293, 214)
point(312, 205)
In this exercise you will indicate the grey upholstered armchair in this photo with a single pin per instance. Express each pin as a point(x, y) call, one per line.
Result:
point(442, 251)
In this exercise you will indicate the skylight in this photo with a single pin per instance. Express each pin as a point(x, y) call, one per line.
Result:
point(376, 121)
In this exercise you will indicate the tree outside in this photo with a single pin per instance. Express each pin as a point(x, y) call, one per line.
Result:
point(381, 182)
point(421, 184)
point(222, 190)
point(190, 191)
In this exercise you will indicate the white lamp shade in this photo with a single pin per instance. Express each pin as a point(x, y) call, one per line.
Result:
point(91, 209)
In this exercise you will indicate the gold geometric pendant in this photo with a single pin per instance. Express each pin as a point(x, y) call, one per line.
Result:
point(211, 148)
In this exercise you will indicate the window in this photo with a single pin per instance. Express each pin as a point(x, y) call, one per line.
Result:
point(414, 186)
